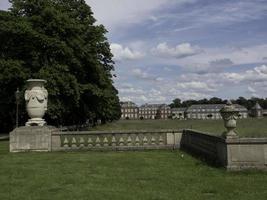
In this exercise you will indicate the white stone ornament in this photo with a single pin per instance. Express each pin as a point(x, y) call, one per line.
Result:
point(36, 97)
point(230, 115)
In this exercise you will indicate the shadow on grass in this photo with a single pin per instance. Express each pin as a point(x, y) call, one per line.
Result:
point(203, 159)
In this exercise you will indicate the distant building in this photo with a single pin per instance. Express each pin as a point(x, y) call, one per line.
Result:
point(129, 110)
point(154, 111)
point(243, 111)
point(211, 111)
point(256, 111)
point(164, 112)
point(178, 113)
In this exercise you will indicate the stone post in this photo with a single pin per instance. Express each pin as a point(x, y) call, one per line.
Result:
point(229, 114)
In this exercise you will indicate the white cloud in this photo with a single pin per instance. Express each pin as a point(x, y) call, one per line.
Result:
point(185, 95)
point(251, 89)
point(224, 62)
point(141, 96)
point(140, 74)
point(196, 85)
point(219, 12)
point(257, 74)
point(262, 69)
point(124, 53)
point(119, 13)
point(217, 59)
point(179, 51)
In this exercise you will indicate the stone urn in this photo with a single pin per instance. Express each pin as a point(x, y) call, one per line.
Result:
point(36, 97)
point(230, 115)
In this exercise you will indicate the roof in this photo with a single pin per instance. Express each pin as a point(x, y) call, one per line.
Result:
point(178, 109)
point(152, 105)
point(213, 106)
point(205, 106)
point(240, 107)
point(257, 106)
point(126, 104)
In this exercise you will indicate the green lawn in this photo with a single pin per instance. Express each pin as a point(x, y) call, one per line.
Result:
point(246, 127)
point(121, 175)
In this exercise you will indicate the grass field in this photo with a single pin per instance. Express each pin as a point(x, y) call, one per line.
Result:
point(245, 127)
point(121, 175)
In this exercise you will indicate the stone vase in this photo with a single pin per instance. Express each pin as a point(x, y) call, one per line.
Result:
point(36, 97)
point(229, 114)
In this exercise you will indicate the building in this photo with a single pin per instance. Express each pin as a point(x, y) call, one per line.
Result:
point(164, 112)
point(148, 111)
point(243, 111)
point(154, 111)
point(178, 113)
point(129, 110)
point(211, 111)
point(256, 111)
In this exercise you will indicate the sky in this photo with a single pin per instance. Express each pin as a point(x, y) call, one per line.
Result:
point(187, 49)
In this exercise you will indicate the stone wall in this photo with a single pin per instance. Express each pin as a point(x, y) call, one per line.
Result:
point(116, 140)
point(205, 145)
point(246, 153)
point(233, 154)
point(31, 138)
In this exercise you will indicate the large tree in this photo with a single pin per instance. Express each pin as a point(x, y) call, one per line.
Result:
point(58, 40)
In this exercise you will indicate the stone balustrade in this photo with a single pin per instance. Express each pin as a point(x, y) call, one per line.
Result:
point(126, 140)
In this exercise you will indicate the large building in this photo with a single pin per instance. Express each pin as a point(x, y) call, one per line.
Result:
point(211, 111)
point(154, 111)
point(178, 113)
point(129, 110)
point(164, 112)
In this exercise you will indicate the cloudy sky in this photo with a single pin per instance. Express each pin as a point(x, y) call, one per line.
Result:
point(188, 49)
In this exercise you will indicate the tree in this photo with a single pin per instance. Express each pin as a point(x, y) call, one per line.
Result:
point(57, 40)
point(176, 103)
point(215, 100)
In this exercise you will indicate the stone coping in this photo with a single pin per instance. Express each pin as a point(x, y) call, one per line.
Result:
point(204, 134)
point(116, 132)
point(246, 140)
point(228, 140)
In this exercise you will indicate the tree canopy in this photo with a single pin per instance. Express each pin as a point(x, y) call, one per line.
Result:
point(248, 103)
point(57, 40)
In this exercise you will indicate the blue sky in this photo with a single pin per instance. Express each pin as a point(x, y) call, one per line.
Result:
point(187, 49)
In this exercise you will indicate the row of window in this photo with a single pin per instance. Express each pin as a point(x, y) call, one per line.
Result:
point(205, 110)
point(129, 110)
point(129, 115)
point(144, 112)
point(212, 115)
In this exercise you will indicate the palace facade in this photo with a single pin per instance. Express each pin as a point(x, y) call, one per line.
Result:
point(130, 110)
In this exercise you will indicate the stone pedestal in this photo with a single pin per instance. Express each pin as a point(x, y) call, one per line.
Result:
point(31, 138)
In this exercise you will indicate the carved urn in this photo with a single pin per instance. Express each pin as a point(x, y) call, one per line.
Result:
point(36, 97)
point(229, 114)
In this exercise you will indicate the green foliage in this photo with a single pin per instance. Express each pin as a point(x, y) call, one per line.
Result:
point(248, 103)
point(57, 40)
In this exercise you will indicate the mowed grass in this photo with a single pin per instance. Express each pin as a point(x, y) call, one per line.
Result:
point(250, 127)
point(121, 175)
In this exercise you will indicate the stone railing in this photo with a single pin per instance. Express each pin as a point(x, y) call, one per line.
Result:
point(232, 153)
point(203, 144)
point(116, 140)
